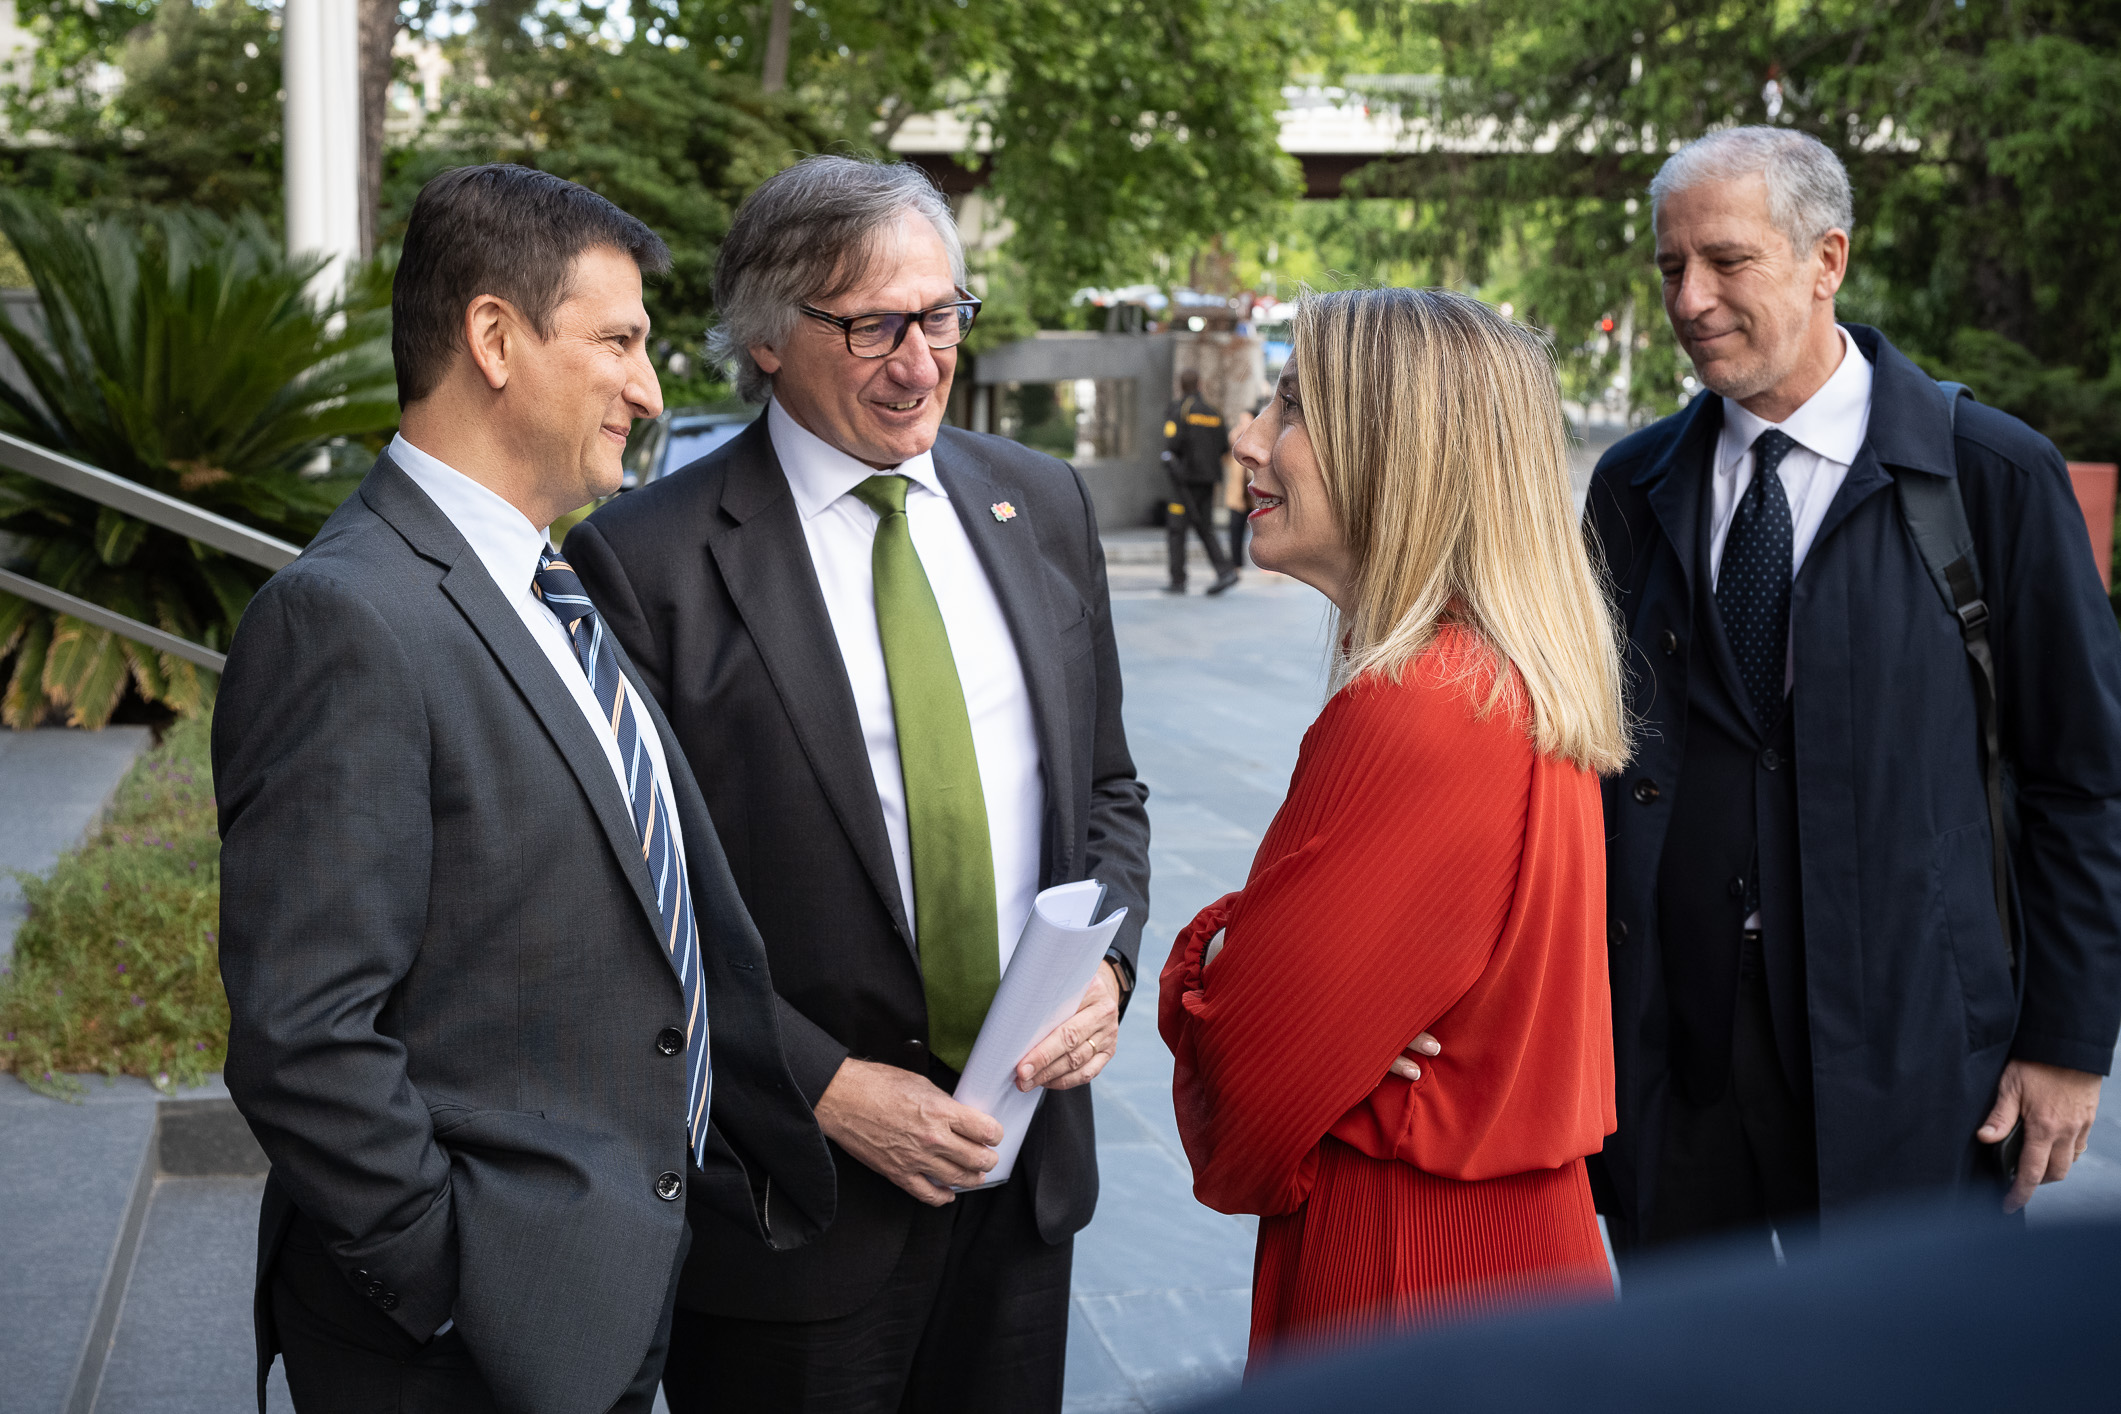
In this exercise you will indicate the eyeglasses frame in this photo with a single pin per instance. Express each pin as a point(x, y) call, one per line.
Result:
point(845, 322)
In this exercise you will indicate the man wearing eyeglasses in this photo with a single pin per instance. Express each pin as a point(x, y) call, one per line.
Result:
point(886, 648)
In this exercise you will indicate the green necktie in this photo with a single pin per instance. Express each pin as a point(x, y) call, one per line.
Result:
point(946, 810)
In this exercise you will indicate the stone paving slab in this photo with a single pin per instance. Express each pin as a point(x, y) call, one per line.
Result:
point(54, 783)
point(1219, 692)
point(68, 1180)
point(184, 1340)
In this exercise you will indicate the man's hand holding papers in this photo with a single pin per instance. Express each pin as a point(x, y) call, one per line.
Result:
point(1076, 1050)
point(899, 1124)
point(1050, 988)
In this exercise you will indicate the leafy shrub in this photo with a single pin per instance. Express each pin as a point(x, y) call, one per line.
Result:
point(184, 352)
point(2080, 415)
point(117, 968)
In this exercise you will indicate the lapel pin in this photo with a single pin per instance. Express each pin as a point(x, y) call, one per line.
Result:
point(1003, 511)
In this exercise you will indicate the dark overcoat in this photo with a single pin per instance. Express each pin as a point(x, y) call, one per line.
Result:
point(1881, 880)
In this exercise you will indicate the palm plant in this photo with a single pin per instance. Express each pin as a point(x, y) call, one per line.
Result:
point(182, 351)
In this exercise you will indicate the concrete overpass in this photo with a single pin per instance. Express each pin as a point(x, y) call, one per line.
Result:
point(1331, 131)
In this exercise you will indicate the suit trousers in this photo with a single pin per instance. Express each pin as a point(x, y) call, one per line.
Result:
point(1745, 1164)
point(1188, 509)
point(973, 1315)
point(343, 1356)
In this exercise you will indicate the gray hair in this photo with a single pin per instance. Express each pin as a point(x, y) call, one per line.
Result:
point(806, 235)
point(1807, 187)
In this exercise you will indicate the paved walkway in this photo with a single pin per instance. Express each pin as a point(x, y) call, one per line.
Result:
point(1219, 692)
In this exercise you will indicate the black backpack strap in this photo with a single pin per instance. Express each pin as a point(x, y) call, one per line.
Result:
point(1936, 515)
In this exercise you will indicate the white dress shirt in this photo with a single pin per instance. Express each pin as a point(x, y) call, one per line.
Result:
point(840, 530)
point(1828, 429)
point(508, 545)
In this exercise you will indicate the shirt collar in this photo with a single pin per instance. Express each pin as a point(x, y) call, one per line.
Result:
point(819, 473)
point(1832, 422)
point(500, 535)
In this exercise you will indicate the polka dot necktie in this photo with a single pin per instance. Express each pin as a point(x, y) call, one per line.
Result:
point(1753, 584)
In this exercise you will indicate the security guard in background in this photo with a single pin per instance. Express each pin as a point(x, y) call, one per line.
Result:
point(1195, 442)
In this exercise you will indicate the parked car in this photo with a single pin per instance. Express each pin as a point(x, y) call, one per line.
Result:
point(678, 438)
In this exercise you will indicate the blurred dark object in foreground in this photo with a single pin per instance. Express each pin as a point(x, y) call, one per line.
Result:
point(1918, 1314)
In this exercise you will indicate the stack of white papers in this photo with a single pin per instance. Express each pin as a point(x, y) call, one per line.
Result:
point(1055, 958)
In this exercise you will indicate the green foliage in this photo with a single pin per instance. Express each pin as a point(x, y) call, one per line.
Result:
point(1118, 130)
point(2080, 416)
point(196, 120)
point(2010, 218)
point(1976, 137)
point(855, 63)
point(116, 968)
point(669, 134)
point(182, 352)
point(1005, 309)
point(1128, 127)
point(71, 42)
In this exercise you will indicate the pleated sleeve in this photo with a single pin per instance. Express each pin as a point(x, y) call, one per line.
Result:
point(1381, 900)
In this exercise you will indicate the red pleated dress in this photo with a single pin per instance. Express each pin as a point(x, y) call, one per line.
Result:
point(1428, 871)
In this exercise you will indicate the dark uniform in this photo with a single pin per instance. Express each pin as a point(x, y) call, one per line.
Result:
point(1195, 442)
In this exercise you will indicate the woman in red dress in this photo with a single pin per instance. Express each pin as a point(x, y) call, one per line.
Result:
point(1438, 867)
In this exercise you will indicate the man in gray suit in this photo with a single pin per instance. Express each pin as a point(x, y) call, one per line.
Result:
point(477, 928)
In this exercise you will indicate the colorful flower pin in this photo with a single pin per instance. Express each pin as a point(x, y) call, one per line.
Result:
point(1003, 511)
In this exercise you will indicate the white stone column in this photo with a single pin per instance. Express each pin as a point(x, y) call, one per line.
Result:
point(321, 72)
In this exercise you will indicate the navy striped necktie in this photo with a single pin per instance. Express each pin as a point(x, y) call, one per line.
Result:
point(649, 800)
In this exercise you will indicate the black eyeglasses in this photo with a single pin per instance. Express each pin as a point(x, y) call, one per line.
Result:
point(878, 335)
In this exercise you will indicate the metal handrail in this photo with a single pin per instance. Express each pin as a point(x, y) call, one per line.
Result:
point(146, 503)
point(24, 587)
point(152, 506)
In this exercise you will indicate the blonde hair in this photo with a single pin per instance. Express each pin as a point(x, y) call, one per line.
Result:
point(1438, 431)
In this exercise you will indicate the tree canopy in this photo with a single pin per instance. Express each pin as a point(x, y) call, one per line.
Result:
point(1121, 136)
point(1986, 196)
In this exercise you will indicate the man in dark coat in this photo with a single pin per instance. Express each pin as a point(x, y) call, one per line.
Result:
point(1196, 440)
point(1815, 1002)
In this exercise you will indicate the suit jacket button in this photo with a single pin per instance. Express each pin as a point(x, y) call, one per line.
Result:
point(1646, 790)
point(670, 1040)
point(375, 1291)
point(388, 1301)
point(1669, 641)
point(1737, 887)
point(360, 1276)
point(668, 1186)
point(1771, 759)
point(915, 1051)
point(1618, 933)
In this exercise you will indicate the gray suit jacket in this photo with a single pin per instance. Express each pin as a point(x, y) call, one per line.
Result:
point(444, 981)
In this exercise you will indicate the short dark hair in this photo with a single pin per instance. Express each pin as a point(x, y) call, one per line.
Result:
point(504, 230)
point(1189, 381)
